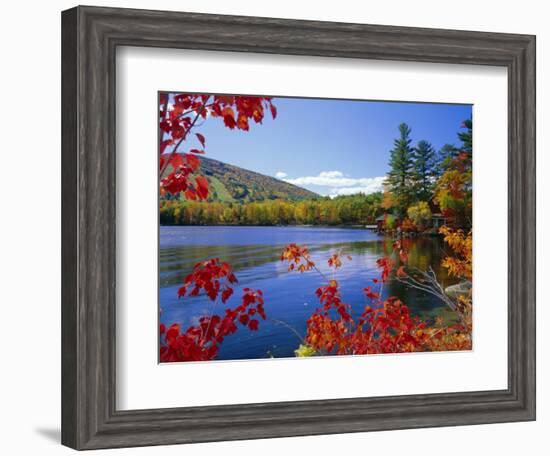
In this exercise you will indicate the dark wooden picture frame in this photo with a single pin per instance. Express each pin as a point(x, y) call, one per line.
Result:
point(90, 36)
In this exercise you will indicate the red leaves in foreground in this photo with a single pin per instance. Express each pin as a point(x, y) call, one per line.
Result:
point(237, 111)
point(298, 257)
point(372, 295)
point(403, 251)
point(201, 187)
point(386, 264)
point(201, 138)
point(213, 276)
point(386, 329)
point(201, 342)
point(335, 260)
point(180, 179)
point(330, 297)
point(229, 117)
point(178, 115)
point(383, 326)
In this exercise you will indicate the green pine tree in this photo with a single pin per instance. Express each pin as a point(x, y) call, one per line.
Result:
point(424, 170)
point(445, 158)
point(466, 137)
point(399, 178)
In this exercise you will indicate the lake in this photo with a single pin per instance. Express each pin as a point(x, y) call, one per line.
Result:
point(254, 253)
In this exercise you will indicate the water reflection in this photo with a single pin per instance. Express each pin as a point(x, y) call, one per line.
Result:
point(254, 253)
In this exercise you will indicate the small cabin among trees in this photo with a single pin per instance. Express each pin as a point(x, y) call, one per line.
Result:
point(380, 222)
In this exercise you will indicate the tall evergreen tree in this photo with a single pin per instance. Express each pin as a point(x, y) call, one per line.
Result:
point(399, 179)
point(424, 170)
point(466, 137)
point(445, 158)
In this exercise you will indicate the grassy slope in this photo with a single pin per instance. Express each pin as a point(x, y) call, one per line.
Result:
point(229, 183)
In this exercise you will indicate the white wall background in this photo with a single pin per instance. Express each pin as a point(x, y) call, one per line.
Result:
point(30, 228)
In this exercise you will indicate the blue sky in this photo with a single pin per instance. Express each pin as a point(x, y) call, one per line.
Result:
point(331, 146)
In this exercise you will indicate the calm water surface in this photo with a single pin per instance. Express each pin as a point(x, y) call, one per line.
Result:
point(254, 253)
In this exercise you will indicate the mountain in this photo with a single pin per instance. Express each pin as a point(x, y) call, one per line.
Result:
point(229, 183)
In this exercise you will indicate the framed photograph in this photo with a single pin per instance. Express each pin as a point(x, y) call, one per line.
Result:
point(279, 228)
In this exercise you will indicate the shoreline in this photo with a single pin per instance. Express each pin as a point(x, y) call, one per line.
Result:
point(357, 227)
point(349, 227)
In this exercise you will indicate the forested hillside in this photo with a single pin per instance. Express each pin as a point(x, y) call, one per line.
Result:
point(230, 184)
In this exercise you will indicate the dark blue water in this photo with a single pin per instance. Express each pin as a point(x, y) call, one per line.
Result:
point(290, 299)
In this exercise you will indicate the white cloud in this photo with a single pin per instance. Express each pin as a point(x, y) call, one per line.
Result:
point(375, 186)
point(280, 174)
point(341, 185)
point(331, 174)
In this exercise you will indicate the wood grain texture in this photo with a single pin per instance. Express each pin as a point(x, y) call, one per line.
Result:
point(90, 36)
point(69, 229)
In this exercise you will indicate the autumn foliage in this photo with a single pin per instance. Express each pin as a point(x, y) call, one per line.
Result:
point(179, 171)
point(202, 342)
point(179, 114)
point(298, 258)
point(453, 190)
point(383, 326)
point(213, 276)
point(460, 265)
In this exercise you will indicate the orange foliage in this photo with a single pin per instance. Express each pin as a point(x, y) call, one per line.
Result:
point(408, 226)
point(336, 260)
point(453, 191)
point(388, 200)
point(459, 265)
point(383, 326)
point(298, 257)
